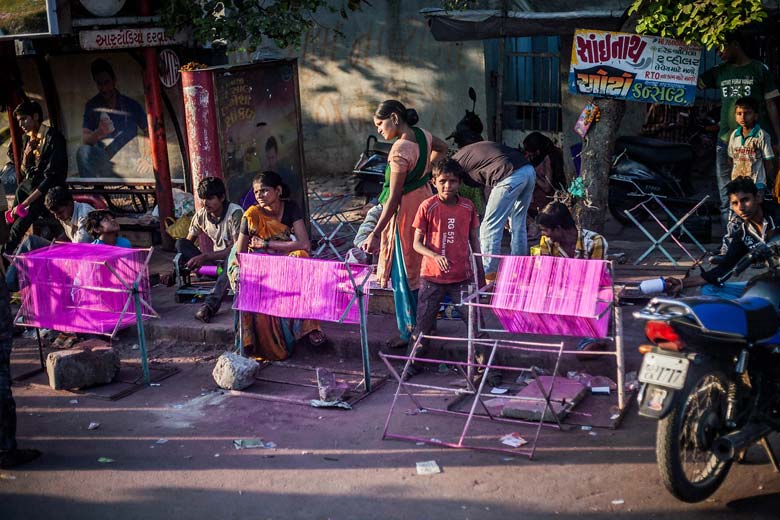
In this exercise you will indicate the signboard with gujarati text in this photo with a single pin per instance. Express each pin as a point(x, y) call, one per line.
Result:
point(649, 69)
point(128, 38)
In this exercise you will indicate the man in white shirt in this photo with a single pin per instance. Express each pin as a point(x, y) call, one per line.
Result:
point(220, 220)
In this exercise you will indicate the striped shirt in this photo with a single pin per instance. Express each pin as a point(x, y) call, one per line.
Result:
point(590, 246)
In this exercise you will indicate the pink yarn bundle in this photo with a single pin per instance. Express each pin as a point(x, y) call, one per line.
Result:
point(553, 296)
point(70, 287)
point(301, 288)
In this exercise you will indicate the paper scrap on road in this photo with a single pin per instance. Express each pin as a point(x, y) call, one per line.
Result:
point(618, 502)
point(246, 444)
point(513, 439)
point(498, 391)
point(161, 441)
point(428, 467)
point(318, 403)
point(105, 460)
point(6, 476)
point(93, 426)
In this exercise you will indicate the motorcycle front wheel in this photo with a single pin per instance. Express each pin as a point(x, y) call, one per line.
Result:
point(689, 469)
point(619, 200)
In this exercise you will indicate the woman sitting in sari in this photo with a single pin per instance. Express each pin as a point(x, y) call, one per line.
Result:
point(274, 226)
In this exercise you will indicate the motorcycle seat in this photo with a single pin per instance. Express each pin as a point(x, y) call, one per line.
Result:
point(653, 151)
point(749, 316)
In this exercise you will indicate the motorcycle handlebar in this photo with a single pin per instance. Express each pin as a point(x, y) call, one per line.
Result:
point(759, 252)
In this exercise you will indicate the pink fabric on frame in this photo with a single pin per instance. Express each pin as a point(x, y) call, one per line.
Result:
point(553, 296)
point(69, 287)
point(301, 288)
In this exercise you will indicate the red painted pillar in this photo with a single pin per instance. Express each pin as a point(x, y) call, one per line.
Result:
point(200, 119)
point(157, 141)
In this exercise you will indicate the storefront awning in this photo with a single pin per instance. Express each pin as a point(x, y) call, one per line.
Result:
point(449, 26)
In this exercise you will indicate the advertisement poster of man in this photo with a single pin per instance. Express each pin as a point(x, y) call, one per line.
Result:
point(101, 97)
point(258, 119)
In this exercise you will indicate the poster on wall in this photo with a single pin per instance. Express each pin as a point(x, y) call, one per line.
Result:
point(104, 119)
point(28, 19)
point(649, 69)
point(259, 120)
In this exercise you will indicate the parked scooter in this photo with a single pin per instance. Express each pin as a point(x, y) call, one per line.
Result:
point(712, 378)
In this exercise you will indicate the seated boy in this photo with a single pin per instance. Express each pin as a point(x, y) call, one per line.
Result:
point(446, 233)
point(219, 220)
point(71, 215)
point(104, 229)
point(561, 237)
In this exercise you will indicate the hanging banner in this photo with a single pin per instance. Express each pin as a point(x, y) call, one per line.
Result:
point(649, 69)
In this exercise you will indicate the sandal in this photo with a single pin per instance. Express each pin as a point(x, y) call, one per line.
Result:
point(317, 338)
point(396, 343)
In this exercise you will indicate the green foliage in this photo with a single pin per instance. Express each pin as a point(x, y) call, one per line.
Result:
point(700, 22)
point(242, 24)
point(459, 5)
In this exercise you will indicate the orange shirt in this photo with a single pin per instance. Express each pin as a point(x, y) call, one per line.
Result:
point(446, 231)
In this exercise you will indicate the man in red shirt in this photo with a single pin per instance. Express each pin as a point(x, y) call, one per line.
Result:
point(446, 233)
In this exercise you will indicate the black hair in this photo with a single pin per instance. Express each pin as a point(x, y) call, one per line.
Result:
point(391, 106)
point(537, 142)
point(29, 108)
point(556, 214)
point(448, 165)
point(272, 180)
point(94, 218)
point(271, 143)
point(101, 65)
point(211, 187)
point(743, 184)
point(747, 102)
point(57, 197)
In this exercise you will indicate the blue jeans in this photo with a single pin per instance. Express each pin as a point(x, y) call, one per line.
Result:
point(509, 199)
point(30, 243)
point(728, 291)
point(723, 177)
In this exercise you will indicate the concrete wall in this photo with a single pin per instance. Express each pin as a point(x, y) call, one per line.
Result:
point(387, 52)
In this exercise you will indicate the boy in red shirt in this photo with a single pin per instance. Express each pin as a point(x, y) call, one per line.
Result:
point(446, 233)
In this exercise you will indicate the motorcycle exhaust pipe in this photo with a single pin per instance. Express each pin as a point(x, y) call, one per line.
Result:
point(727, 447)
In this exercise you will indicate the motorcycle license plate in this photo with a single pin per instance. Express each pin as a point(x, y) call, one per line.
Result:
point(665, 371)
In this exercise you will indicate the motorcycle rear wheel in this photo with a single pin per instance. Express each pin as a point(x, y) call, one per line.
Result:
point(619, 200)
point(689, 469)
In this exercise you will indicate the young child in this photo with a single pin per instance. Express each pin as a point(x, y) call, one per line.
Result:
point(750, 148)
point(102, 225)
point(446, 232)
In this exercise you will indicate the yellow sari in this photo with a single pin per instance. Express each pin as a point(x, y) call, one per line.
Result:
point(268, 337)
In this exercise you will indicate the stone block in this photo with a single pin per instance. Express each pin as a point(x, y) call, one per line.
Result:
point(80, 368)
point(329, 388)
point(234, 372)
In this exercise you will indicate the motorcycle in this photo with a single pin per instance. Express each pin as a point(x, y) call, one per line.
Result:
point(712, 378)
point(370, 166)
point(645, 166)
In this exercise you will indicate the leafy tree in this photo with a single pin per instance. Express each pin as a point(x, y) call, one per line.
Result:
point(244, 24)
point(701, 22)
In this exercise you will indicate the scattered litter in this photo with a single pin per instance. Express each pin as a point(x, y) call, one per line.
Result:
point(498, 391)
point(246, 444)
point(105, 460)
point(420, 443)
point(319, 403)
point(586, 428)
point(6, 476)
point(154, 384)
point(443, 368)
point(760, 488)
point(513, 439)
point(240, 492)
point(592, 434)
point(216, 454)
point(428, 467)
point(161, 441)
point(305, 453)
point(618, 502)
point(463, 507)
point(614, 417)
point(427, 428)
point(319, 418)
point(188, 457)
point(332, 459)
point(508, 459)
point(74, 401)
point(134, 347)
point(434, 439)
point(599, 390)
point(93, 426)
